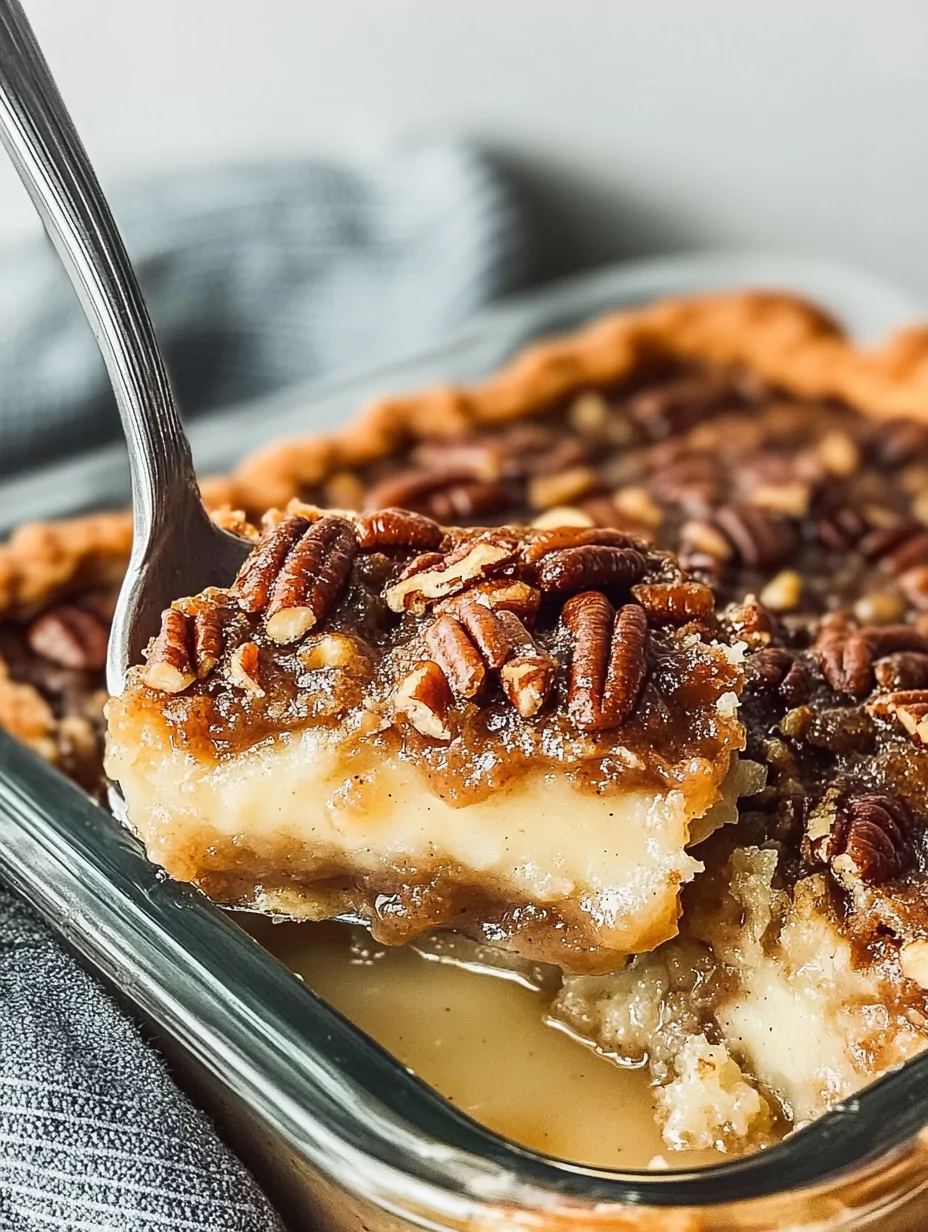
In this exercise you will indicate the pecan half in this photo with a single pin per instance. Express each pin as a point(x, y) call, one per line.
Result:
point(775, 670)
point(70, 636)
point(869, 837)
point(261, 570)
point(760, 538)
point(675, 603)
point(389, 529)
point(579, 568)
point(841, 530)
point(208, 634)
point(456, 655)
point(527, 676)
point(434, 576)
point(313, 574)
point(609, 660)
point(562, 537)
point(486, 627)
point(678, 406)
point(900, 441)
point(449, 496)
point(844, 656)
point(424, 699)
point(170, 666)
point(906, 670)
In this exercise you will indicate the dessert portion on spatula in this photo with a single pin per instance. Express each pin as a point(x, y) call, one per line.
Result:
point(516, 732)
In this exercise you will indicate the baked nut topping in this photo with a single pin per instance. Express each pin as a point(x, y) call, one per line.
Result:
point(484, 684)
point(787, 470)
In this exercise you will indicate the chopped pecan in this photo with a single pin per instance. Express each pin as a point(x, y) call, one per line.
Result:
point(609, 660)
point(464, 456)
point(70, 636)
point(760, 538)
point(424, 699)
point(562, 515)
point(449, 496)
point(561, 488)
point(905, 670)
point(868, 837)
point(791, 497)
point(457, 656)
point(526, 677)
point(909, 707)
point(675, 603)
point(261, 570)
point(575, 569)
point(335, 650)
point(437, 576)
point(313, 574)
point(500, 594)
point(838, 453)
point(245, 668)
point(170, 666)
point(783, 593)
point(697, 536)
point(751, 622)
point(388, 529)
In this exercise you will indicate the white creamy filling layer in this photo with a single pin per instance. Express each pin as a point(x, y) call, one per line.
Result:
point(619, 858)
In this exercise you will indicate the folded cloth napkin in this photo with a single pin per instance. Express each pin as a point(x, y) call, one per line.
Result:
point(255, 278)
point(258, 277)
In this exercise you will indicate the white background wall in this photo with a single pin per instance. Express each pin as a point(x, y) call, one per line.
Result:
point(651, 124)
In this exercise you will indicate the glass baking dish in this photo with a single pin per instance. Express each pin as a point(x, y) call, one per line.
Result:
point(341, 1134)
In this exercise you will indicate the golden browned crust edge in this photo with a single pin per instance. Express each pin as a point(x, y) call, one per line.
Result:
point(786, 340)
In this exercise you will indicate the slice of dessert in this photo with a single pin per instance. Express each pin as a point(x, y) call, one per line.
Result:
point(517, 732)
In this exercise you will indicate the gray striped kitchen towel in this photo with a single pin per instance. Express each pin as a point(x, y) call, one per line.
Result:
point(259, 277)
point(256, 277)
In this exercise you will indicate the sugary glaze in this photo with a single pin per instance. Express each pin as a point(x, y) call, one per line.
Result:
point(479, 1036)
point(537, 782)
point(748, 434)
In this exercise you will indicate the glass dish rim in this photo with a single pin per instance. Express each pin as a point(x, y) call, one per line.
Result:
point(323, 1085)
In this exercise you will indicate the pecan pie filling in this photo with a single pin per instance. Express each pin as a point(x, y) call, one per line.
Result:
point(513, 731)
point(787, 473)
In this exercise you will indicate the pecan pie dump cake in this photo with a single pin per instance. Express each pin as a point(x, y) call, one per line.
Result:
point(514, 732)
point(788, 473)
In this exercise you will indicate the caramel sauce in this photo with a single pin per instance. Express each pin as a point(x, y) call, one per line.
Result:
point(481, 1040)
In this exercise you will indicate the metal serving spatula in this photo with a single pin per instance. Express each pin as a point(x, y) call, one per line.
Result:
point(176, 550)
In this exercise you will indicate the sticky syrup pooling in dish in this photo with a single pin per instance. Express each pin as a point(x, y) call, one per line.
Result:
point(806, 518)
